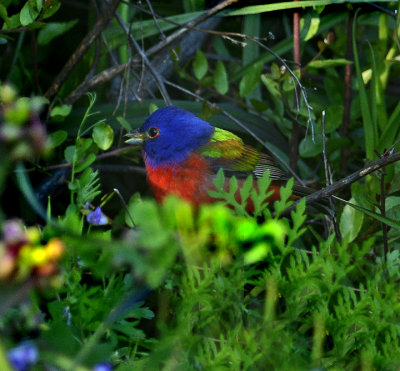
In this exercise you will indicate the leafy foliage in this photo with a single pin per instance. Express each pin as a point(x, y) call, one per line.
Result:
point(149, 286)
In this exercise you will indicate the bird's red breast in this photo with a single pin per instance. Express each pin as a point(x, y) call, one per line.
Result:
point(191, 180)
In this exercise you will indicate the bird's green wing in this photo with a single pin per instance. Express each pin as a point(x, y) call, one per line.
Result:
point(227, 151)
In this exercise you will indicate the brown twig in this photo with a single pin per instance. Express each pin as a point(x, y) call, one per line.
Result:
point(330, 190)
point(328, 181)
point(111, 72)
point(104, 155)
point(82, 48)
point(154, 72)
point(14, 30)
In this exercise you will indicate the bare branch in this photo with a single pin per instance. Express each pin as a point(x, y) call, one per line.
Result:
point(82, 48)
point(366, 170)
point(111, 72)
point(146, 60)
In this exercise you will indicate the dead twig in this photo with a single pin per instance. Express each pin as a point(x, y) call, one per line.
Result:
point(146, 60)
point(82, 48)
point(328, 180)
point(110, 73)
point(330, 190)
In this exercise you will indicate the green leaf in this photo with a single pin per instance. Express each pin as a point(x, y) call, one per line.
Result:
point(219, 180)
point(250, 80)
point(233, 185)
point(309, 25)
point(200, 65)
point(351, 221)
point(152, 108)
point(50, 8)
point(26, 188)
point(143, 29)
point(52, 30)
point(256, 9)
point(308, 148)
point(390, 222)
point(87, 162)
point(124, 123)
point(103, 136)
point(58, 137)
point(390, 132)
point(28, 14)
point(391, 202)
point(333, 118)
point(326, 63)
point(62, 111)
point(69, 153)
point(4, 15)
point(245, 189)
point(220, 78)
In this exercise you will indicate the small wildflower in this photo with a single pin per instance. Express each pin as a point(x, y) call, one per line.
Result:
point(54, 248)
point(23, 254)
point(38, 256)
point(103, 366)
point(23, 356)
point(97, 217)
point(7, 263)
point(13, 232)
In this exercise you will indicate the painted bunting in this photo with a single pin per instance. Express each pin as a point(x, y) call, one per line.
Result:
point(183, 153)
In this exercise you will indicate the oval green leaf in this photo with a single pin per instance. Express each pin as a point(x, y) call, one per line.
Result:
point(103, 136)
point(220, 78)
point(200, 65)
point(351, 221)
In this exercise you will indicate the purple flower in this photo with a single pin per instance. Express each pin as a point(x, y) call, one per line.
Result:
point(97, 217)
point(23, 356)
point(103, 366)
point(13, 232)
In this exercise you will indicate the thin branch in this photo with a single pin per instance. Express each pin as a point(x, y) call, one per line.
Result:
point(328, 181)
point(155, 20)
point(82, 48)
point(357, 175)
point(111, 72)
point(229, 36)
point(115, 152)
point(146, 60)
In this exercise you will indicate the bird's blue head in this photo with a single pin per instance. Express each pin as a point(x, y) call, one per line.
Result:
point(170, 134)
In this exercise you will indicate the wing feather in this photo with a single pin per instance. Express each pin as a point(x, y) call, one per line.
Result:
point(227, 151)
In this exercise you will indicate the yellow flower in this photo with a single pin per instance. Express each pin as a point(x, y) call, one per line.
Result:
point(54, 248)
point(39, 256)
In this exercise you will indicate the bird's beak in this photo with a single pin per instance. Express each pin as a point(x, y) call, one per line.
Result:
point(135, 137)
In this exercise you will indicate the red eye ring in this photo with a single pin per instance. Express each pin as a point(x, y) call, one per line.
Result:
point(153, 132)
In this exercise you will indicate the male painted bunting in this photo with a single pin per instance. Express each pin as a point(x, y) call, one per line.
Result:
point(183, 153)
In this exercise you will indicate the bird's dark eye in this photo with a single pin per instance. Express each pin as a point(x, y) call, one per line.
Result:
point(153, 133)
